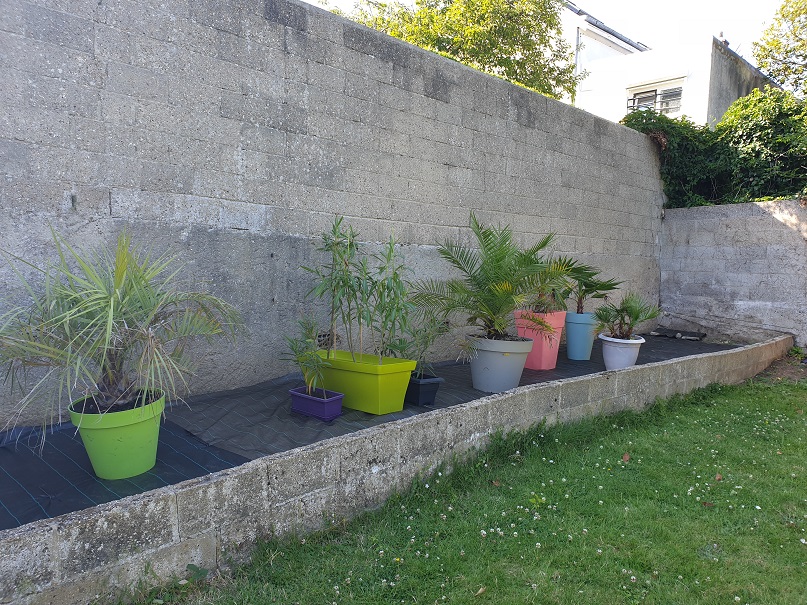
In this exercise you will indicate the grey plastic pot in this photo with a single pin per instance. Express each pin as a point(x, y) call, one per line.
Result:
point(497, 364)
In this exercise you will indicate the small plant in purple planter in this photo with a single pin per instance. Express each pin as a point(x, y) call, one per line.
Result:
point(312, 399)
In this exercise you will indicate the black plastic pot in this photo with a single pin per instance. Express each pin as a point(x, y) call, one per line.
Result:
point(422, 391)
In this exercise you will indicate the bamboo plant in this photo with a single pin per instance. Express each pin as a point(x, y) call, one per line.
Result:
point(366, 295)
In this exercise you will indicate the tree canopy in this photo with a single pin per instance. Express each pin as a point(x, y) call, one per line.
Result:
point(518, 40)
point(782, 51)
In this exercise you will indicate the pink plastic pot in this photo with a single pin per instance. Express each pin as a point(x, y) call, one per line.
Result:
point(544, 354)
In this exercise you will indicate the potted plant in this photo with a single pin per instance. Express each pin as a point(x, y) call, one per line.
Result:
point(368, 297)
point(312, 399)
point(109, 331)
point(580, 325)
point(424, 384)
point(616, 323)
point(545, 315)
point(494, 281)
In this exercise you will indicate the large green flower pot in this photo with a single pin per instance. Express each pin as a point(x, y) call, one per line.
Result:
point(368, 386)
point(121, 444)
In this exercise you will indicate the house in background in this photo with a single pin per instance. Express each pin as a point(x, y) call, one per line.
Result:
point(700, 80)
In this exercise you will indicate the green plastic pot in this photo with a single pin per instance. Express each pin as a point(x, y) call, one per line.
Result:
point(368, 386)
point(120, 444)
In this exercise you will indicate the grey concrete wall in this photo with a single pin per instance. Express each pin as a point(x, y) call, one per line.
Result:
point(731, 77)
point(737, 269)
point(93, 553)
point(232, 131)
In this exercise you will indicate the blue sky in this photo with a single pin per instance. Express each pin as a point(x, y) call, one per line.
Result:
point(662, 24)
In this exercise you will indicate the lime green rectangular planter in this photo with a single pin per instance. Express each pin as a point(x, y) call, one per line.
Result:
point(368, 386)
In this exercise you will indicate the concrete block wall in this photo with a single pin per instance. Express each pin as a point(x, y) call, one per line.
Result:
point(99, 551)
point(232, 132)
point(737, 270)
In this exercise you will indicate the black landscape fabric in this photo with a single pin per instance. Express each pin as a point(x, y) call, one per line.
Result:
point(221, 430)
point(61, 479)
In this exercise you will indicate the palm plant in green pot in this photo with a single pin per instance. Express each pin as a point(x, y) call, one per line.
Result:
point(109, 331)
point(580, 325)
point(616, 323)
point(367, 297)
point(312, 399)
point(495, 279)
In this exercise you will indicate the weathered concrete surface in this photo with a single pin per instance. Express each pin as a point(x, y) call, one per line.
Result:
point(98, 551)
point(232, 131)
point(738, 270)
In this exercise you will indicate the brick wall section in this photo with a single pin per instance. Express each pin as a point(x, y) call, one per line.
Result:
point(737, 270)
point(75, 557)
point(232, 131)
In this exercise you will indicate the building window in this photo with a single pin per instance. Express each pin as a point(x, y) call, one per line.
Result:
point(667, 101)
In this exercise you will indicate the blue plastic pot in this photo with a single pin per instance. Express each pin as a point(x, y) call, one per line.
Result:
point(580, 335)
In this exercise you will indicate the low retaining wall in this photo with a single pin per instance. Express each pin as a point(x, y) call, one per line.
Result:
point(80, 556)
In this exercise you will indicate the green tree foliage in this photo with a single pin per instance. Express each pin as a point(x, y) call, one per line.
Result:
point(782, 51)
point(518, 40)
point(696, 167)
point(769, 130)
point(758, 149)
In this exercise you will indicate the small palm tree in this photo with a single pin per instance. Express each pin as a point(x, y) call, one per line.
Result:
point(619, 320)
point(109, 324)
point(584, 285)
point(496, 279)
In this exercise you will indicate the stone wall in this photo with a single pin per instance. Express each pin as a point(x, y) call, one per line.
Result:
point(99, 551)
point(233, 131)
point(737, 269)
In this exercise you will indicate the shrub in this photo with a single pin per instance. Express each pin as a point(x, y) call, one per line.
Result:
point(758, 149)
point(697, 167)
point(768, 128)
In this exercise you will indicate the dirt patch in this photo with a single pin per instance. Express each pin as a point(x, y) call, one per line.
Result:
point(786, 368)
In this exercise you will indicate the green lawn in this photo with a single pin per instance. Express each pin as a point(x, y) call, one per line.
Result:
point(703, 499)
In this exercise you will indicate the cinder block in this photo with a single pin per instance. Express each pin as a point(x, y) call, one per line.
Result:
point(137, 82)
point(302, 471)
point(237, 496)
point(226, 15)
point(160, 177)
point(288, 14)
point(639, 385)
point(28, 561)
point(99, 537)
point(59, 28)
point(509, 411)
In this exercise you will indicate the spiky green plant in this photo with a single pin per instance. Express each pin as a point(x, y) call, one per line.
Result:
point(496, 279)
point(549, 285)
point(585, 284)
point(107, 324)
point(619, 320)
point(303, 351)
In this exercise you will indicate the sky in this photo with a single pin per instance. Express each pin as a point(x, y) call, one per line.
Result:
point(661, 25)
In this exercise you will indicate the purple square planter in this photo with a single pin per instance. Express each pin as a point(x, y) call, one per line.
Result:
point(325, 409)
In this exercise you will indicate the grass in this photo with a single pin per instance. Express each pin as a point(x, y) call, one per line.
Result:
point(702, 499)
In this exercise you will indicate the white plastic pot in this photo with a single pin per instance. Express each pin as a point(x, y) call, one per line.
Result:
point(618, 353)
